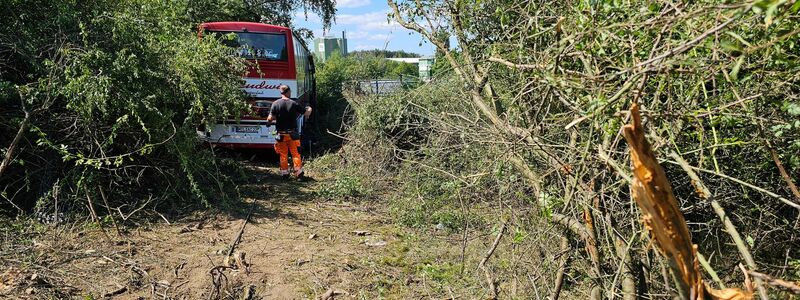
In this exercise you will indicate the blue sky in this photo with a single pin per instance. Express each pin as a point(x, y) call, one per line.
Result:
point(367, 27)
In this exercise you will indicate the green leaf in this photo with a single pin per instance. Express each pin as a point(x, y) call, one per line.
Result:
point(730, 45)
point(795, 8)
point(736, 67)
point(770, 13)
point(739, 38)
point(792, 108)
point(519, 236)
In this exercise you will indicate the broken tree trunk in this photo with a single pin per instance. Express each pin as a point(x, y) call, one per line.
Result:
point(663, 219)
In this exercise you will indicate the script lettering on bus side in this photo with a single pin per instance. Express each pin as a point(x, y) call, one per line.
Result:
point(262, 86)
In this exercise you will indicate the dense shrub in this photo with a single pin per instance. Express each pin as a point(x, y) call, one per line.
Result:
point(108, 94)
point(527, 127)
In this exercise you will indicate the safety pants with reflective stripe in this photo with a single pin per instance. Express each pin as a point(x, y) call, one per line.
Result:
point(285, 146)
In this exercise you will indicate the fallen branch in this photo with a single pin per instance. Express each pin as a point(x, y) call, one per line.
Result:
point(217, 272)
point(330, 294)
point(562, 268)
point(217, 279)
point(482, 264)
point(603, 155)
point(784, 174)
point(9, 157)
point(781, 284)
point(587, 236)
point(116, 292)
point(706, 265)
point(572, 224)
point(239, 236)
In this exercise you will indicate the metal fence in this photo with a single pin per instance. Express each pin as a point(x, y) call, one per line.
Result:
point(381, 86)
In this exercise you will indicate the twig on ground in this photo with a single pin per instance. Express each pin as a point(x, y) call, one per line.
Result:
point(466, 231)
point(93, 213)
point(163, 217)
point(330, 294)
point(116, 292)
point(782, 170)
point(217, 277)
point(561, 269)
point(485, 259)
point(110, 214)
point(241, 231)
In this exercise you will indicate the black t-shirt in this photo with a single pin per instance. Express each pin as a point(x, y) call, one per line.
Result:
point(285, 112)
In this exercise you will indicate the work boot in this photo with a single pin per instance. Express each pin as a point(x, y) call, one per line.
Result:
point(301, 176)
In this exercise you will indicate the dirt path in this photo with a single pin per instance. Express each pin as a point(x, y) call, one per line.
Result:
point(295, 247)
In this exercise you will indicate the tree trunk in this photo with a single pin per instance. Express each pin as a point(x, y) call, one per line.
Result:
point(23, 126)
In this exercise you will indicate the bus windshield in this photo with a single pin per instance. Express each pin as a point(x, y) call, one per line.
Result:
point(261, 46)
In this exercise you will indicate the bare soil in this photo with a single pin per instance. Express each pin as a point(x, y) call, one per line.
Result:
point(294, 245)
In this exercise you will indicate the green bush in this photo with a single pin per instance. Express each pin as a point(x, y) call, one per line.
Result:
point(114, 91)
point(343, 186)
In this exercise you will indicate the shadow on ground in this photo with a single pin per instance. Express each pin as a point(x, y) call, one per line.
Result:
point(294, 245)
point(263, 192)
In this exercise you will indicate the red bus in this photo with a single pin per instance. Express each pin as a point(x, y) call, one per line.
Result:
point(275, 56)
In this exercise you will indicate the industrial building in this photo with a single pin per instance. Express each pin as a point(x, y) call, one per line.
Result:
point(424, 65)
point(326, 46)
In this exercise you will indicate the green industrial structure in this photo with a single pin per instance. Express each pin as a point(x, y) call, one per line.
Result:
point(424, 65)
point(326, 46)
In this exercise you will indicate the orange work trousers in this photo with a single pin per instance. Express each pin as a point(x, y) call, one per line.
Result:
point(285, 146)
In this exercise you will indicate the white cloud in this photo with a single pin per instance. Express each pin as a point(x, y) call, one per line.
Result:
point(357, 35)
point(378, 20)
point(372, 20)
point(351, 3)
point(379, 25)
point(373, 26)
point(368, 35)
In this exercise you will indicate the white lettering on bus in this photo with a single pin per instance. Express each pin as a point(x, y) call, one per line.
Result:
point(262, 86)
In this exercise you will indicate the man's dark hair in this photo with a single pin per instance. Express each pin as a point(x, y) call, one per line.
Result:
point(285, 90)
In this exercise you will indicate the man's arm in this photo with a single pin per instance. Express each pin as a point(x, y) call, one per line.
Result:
point(271, 116)
point(308, 111)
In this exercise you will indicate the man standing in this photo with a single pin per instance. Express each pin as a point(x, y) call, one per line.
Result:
point(284, 112)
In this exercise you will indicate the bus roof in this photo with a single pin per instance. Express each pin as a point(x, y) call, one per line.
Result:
point(241, 26)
